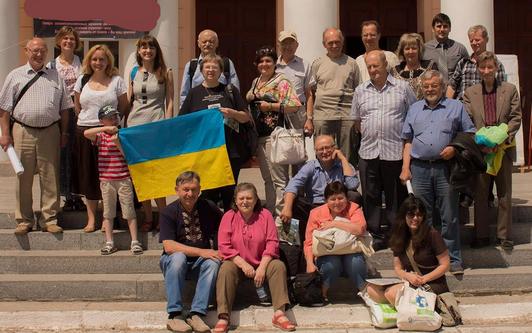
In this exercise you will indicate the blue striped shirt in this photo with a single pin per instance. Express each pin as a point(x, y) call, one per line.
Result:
point(381, 115)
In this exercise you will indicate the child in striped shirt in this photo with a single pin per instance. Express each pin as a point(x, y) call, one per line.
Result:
point(114, 178)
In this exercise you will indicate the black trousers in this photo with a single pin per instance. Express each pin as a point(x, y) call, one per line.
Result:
point(376, 176)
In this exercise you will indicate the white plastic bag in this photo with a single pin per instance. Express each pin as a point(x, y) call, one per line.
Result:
point(382, 315)
point(288, 146)
point(415, 310)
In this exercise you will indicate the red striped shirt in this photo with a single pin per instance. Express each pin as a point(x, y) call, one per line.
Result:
point(111, 162)
point(490, 106)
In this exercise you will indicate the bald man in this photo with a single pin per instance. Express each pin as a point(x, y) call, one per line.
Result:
point(36, 100)
point(379, 108)
point(192, 77)
point(333, 78)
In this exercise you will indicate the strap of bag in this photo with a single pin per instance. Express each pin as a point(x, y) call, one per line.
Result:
point(192, 69)
point(229, 91)
point(410, 255)
point(26, 87)
point(227, 70)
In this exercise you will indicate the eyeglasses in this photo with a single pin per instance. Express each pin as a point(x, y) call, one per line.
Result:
point(264, 50)
point(325, 148)
point(37, 51)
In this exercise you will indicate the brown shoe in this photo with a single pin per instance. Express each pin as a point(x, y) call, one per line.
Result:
point(177, 324)
point(22, 229)
point(53, 229)
point(197, 324)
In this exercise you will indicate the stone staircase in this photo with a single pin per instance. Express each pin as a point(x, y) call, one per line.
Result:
point(44, 267)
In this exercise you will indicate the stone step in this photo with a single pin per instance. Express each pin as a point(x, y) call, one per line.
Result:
point(123, 262)
point(78, 240)
point(150, 287)
point(77, 220)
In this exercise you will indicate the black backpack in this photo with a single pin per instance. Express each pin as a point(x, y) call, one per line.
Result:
point(307, 289)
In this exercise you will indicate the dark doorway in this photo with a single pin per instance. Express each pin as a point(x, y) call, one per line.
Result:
point(513, 35)
point(395, 18)
point(242, 27)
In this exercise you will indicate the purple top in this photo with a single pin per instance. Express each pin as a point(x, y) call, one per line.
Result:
point(252, 240)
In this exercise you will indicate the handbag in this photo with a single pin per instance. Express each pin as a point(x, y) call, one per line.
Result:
point(287, 144)
point(335, 241)
point(415, 309)
point(249, 138)
point(446, 303)
point(307, 289)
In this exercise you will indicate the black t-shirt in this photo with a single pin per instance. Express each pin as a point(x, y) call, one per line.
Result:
point(427, 261)
point(172, 225)
point(199, 98)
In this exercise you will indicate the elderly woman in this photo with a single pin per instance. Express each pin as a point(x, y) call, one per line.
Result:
point(68, 66)
point(271, 95)
point(248, 243)
point(99, 85)
point(337, 212)
point(409, 51)
point(151, 95)
point(429, 252)
point(227, 99)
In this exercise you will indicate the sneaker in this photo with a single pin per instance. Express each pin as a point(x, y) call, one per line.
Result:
point(198, 325)
point(456, 268)
point(22, 229)
point(52, 228)
point(177, 324)
point(505, 244)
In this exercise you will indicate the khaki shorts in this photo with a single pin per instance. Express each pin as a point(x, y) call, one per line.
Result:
point(124, 189)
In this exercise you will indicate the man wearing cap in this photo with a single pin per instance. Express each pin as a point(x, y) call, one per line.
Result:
point(192, 77)
point(36, 99)
point(333, 79)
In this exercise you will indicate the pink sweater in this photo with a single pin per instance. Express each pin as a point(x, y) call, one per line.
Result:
point(321, 214)
point(251, 240)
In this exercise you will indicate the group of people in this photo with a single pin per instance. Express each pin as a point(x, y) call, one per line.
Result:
point(379, 120)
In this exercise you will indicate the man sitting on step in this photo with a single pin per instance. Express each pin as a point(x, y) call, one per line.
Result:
point(188, 229)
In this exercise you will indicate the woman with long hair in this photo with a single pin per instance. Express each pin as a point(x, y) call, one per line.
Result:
point(412, 233)
point(100, 85)
point(151, 95)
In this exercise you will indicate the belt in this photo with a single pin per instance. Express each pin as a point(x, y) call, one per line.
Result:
point(33, 127)
point(437, 161)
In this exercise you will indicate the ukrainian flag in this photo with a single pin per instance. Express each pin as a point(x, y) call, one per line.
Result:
point(156, 153)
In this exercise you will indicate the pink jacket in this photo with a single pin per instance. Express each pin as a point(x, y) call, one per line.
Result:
point(321, 214)
point(251, 240)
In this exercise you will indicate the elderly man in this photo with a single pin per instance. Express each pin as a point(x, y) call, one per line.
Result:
point(466, 73)
point(334, 77)
point(490, 103)
point(379, 108)
point(207, 43)
point(371, 34)
point(429, 127)
point(331, 165)
point(188, 226)
point(36, 99)
point(445, 52)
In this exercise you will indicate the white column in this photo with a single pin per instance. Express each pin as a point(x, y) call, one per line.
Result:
point(465, 14)
point(9, 44)
point(308, 19)
point(166, 33)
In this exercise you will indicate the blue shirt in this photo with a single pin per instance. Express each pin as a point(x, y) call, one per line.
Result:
point(431, 130)
point(198, 79)
point(314, 178)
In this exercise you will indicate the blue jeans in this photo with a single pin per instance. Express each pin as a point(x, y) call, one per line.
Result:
point(431, 185)
point(175, 267)
point(354, 265)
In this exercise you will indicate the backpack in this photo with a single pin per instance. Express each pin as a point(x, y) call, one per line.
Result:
point(194, 65)
point(307, 289)
point(249, 137)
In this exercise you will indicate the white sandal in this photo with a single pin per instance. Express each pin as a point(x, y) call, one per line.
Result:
point(136, 248)
point(109, 248)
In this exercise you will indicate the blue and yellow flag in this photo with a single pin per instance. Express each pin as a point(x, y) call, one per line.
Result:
point(158, 152)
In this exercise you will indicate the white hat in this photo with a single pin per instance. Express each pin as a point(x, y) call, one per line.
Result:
point(287, 34)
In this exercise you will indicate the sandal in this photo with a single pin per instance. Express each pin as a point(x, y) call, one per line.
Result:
point(109, 248)
point(286, 325)
point(222, 326)
point(136, 247)
point(146, 226)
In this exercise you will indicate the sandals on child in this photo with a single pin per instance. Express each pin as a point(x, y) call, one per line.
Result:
point(136, 248)
point(286, 325)
point(108, 249)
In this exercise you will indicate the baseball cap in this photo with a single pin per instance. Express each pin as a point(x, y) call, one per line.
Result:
point(107, 112)
point(287, 34)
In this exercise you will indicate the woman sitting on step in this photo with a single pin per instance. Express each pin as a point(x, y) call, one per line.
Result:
point(411, 233)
